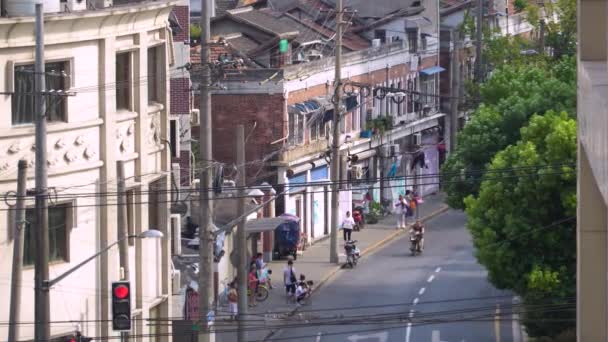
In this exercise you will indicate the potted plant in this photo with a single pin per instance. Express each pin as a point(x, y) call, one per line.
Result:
point(380, 124)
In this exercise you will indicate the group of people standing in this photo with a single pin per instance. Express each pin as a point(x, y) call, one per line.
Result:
point(406, 206)
point(297, 290)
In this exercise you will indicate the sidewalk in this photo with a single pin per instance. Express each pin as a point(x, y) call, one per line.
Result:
point(314, 263)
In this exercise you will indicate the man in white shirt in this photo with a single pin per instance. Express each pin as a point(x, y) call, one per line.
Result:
point(347, 226)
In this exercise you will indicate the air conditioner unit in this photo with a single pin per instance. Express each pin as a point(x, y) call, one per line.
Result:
point(356, 172)
point(417, 137)
point(76, 5)
point(194, 117)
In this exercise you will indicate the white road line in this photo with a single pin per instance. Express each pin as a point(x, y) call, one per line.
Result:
point(515, 330)
point(431, 278)
point(438, 269)
point(319, 336)
point(421, 291)
point(408, 332)
point(435, 337)
point(416, 300)
point(411, 313)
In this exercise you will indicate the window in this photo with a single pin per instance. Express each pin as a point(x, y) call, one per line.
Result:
point(155, 201)
point(412, 39)
point(123, 81)
point(296, 128)
point(314, 128)
point(410, 96)
point(173, 134)
point(423, 41)
point(321, 128)
point(60, 221)
point(22, 101)
point(155, 73)
point(380, 34)
point(427, 88)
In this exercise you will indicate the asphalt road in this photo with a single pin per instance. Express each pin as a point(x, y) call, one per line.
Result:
point(440, 296)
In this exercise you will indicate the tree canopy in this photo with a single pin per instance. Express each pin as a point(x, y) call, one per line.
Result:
point(509, 98)
point(522, 224)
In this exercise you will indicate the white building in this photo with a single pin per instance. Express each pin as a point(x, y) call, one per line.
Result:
point(116, 61)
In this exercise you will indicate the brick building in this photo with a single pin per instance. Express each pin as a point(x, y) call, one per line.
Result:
point(287, 109)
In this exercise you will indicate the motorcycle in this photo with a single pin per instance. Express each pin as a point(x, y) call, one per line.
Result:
point(415, 239)
point(352, 253)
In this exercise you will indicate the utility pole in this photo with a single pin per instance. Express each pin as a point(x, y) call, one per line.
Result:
point(241, 235)
point(455, 93)
point(41, 265)
point(541, 38)
point(478, 41)
point(335, 146)
point(20, 224)
point(205, 278)
point(123, 246)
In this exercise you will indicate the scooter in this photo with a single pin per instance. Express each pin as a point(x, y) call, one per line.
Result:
point(415, 238)
point(352, 253)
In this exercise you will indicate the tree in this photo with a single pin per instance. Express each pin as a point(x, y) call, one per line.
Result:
point(509, 98)
point(560, 27)
point(529, 210)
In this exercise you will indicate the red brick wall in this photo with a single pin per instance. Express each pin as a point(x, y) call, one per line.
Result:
point(183, 16)
point(180, 96)
point(228, 111)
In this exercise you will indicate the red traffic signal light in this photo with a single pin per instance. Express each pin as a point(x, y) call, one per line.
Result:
point(121, 291)
point(121, 306)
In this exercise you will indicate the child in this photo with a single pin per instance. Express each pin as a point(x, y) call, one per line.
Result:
point(264, 276)
point(233, 299)
point(303, 291)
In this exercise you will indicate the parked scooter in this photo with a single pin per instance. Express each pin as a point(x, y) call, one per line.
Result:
point(352, 253)
point(415, 238)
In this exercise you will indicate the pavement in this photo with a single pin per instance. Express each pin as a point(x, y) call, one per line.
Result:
point(269, 315)
point(442, 295)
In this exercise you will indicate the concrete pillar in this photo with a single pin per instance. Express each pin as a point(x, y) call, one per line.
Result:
point(592, 256)
point(592, 30)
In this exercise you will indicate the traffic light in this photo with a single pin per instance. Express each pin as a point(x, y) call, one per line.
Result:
point(121, 306)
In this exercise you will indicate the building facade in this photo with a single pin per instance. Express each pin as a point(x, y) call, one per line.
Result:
point(115, 62)
point(592, 196)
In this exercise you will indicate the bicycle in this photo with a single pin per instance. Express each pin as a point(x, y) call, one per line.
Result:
point(222, 298)
point(261, 293)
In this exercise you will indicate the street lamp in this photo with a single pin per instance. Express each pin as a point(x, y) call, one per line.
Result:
point(152, 233)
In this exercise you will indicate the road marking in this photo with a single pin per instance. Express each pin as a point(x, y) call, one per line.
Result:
point(435, 336)
point(431, 278)
point(421, 291)
point(319, 336)
point(515, 330)
point(497, 323)
point(411, 313)
point(380, 337)
point(416, 300)
point(438, 269)
point(408, 332)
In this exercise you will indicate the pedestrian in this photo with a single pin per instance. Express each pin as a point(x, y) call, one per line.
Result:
point(233, 299)
point(403, 207)
point(290, 280)
point(347, 226)
point(253, 285)
point(259, 261)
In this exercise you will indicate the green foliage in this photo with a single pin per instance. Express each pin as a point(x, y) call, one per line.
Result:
point(195, 32)
point(380, 124)
point(560, 33)
point(513, 218)
point(509, 98)
point(520, 5)
point(375, 212)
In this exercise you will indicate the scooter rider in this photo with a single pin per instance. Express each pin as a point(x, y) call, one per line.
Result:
point(418, 228)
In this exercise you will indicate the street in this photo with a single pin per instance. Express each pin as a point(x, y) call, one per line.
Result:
point(392, 296)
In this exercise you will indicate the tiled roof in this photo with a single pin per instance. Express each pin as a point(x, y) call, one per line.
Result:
point(221, 6)
point(349, 40)
point(376, 8)
point(262, 19)
point(242, 43)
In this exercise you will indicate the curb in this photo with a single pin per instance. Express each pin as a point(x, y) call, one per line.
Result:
point(368, 251)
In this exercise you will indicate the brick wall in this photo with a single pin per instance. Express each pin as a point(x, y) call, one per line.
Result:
point(183, 17)
point(180, 96)
point(228, 111)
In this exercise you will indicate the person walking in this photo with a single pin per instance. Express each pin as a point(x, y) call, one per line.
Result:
point(290, 280)
point(233, 299)
point(253, 285)
point(403, 208)
point(347, 226)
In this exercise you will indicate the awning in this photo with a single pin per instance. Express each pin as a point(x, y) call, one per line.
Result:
point(264, 224)
point(432, 70)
